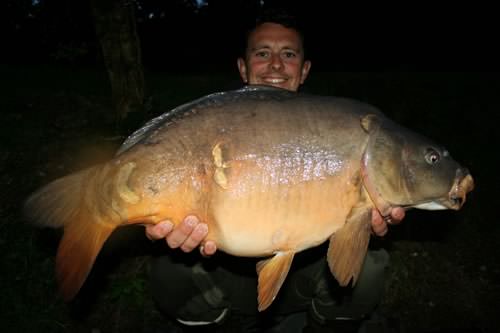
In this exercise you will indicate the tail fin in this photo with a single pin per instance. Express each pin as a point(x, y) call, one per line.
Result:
point(81, 203)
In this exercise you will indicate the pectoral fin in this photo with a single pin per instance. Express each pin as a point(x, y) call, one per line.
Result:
point(272, 273)
point(348, 246)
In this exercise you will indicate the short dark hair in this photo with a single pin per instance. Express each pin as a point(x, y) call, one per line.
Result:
point(279, 16)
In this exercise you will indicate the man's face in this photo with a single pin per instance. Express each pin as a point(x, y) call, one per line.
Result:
point(274, 57)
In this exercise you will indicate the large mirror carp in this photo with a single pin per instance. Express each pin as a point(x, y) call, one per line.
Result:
point(272, 173)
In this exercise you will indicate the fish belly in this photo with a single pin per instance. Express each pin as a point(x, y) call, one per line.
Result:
point(269, 219)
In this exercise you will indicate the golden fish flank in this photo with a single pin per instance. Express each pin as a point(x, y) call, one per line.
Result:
point(289, 172)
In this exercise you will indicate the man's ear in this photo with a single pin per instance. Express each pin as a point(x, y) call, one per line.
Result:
point(306, 67)
point(242, 68)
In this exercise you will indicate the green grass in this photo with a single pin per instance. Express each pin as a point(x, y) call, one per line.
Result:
point(445, 268)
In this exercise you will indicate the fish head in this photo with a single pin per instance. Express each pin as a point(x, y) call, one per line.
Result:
point(403, 168)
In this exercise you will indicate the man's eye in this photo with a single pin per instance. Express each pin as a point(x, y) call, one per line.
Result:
point(290, 54)
point(262, 54)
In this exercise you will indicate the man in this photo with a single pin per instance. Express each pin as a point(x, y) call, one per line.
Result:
point(274, 56)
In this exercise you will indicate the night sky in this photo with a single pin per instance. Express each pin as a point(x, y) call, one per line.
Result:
point(208, 36)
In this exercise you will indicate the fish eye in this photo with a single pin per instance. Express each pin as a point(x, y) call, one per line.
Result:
point(432, 156)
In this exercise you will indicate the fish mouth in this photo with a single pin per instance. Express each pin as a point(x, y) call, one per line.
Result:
point(458, 194)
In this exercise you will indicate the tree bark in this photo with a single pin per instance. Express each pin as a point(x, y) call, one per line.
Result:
point(116, 30)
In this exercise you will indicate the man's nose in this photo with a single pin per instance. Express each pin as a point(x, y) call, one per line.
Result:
point(276, 62)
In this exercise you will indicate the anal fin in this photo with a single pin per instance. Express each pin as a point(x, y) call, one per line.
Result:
point(272, 273)
point(348, 246)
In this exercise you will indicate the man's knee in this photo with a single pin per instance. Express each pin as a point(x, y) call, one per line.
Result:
point(186, 292)
point(201, 291)
point(361, 300)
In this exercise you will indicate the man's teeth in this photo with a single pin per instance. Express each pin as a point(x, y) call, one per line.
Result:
point(277, 80)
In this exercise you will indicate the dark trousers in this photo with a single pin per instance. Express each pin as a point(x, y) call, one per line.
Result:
point(195, 289)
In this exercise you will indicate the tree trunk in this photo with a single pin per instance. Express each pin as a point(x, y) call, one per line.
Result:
point(116, 30)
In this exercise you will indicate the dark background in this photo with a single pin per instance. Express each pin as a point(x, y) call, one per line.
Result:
point(430, 67)
point(182, 35)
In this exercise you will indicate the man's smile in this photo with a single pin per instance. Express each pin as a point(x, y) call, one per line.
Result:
point(274, 80)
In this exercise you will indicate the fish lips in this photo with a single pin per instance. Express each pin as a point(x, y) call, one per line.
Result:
point(458, 194)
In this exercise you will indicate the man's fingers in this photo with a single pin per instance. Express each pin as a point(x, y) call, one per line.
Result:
point(159, 230)
point(397, 215)
point(181, 232)
point(195, 238)
point(379, 226)
point(188, 235)
point(380, 230)
point(208, 248)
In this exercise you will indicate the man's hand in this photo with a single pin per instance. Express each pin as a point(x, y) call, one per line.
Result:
point(191, 233)
point(379, 225)
point(186, 236)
